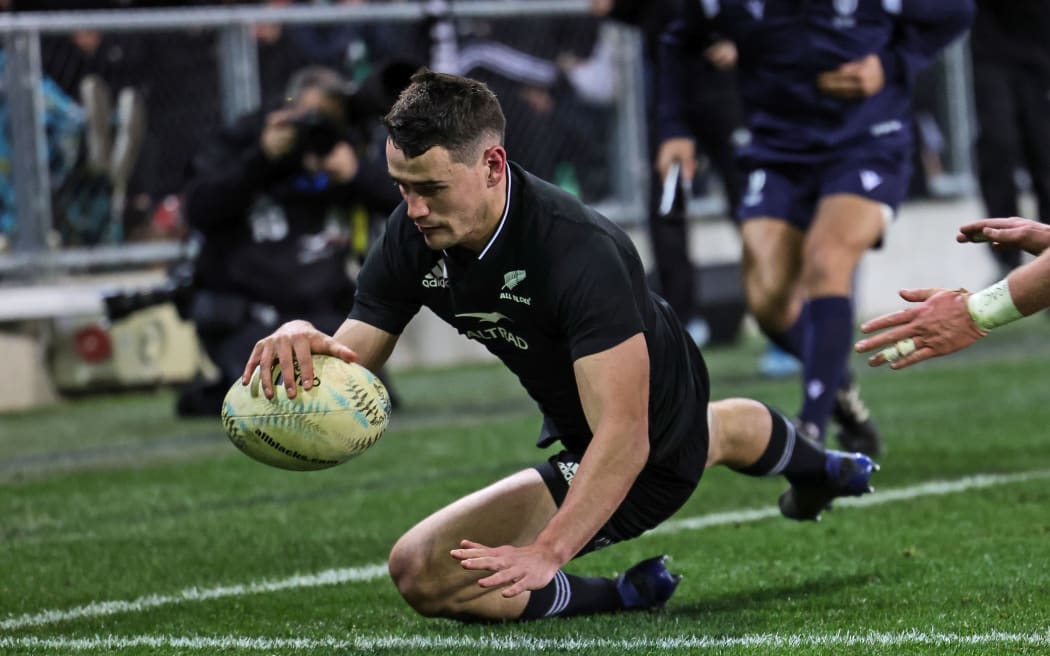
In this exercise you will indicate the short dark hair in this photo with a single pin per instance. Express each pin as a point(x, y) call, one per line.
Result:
point(438, 109)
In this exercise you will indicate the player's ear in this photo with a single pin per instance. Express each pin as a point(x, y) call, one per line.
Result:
point(495, 158)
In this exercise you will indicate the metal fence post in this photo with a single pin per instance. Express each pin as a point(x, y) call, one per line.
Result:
point(25, 99)
point(630, 149)
point(238, 71)
point(958, 84)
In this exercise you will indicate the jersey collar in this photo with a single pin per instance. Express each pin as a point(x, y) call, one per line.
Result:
point(503, 219)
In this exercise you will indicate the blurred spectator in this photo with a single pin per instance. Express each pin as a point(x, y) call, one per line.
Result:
point(63, 127)
point(715, 121)
point(1011, 77)
point(556, 82)
point(354, 48)
point(273, 198)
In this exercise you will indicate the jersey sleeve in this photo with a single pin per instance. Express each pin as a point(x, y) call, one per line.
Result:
point(597, 305)
point(925, 28)
point(386, 297)
point(688, 33)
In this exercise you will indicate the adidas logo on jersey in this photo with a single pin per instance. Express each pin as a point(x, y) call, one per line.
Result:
point(568, 471)
point(436, 277)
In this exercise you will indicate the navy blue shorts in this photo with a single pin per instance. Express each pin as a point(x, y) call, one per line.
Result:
point(791, 191)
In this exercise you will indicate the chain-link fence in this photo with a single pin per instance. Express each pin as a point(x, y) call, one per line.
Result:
point(104, 111)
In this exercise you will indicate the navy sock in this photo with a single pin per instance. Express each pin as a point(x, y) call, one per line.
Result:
point(790, 340)
point(826, 351)
point(799, 460)
point(567, 594)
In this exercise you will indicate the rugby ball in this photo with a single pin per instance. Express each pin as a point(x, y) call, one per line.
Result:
point(342, 415)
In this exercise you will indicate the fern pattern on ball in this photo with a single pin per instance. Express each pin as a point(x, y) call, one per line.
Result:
point(343, 414)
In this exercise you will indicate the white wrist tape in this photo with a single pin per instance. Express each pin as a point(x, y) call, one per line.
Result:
point(993, 307)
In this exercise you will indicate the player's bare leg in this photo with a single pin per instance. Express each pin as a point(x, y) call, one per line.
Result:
point(772, 264)
point(511, 511)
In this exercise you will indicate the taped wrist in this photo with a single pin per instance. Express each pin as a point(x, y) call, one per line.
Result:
point(993, 306)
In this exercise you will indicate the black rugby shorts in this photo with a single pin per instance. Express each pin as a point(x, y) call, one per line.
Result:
point(658, 492)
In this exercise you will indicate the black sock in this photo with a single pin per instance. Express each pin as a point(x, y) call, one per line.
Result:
point(573, 595)
point(799, 460)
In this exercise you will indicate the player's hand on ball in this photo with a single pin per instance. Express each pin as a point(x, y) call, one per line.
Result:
point(940, 324)
point(518, 568)
point(294, 342)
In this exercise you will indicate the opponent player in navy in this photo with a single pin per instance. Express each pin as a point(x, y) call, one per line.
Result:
point(826, 91)
point(559, 294)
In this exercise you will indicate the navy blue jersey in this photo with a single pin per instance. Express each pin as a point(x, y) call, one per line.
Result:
point(784, 45)
point(556, 282)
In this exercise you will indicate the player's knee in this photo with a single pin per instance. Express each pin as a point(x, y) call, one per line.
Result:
point(411, 569)
point(827, 272)
point(769, 304)
point(737, 426)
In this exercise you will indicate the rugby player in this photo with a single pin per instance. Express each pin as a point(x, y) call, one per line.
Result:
point(826, 86)
point(558, 293)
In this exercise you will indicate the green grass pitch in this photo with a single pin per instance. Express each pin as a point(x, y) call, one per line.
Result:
point(124, 530)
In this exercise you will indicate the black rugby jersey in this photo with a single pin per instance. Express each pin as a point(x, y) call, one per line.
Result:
point(556, 282)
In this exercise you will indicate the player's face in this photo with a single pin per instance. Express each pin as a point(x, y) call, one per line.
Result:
point(450, 202)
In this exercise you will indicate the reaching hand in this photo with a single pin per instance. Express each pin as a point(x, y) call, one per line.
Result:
point(859, 78)
point(1031, 236)
point(294, 342)
point(939, 325)
point(518, 568)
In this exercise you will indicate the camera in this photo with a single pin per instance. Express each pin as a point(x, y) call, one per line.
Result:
point(177, 289)
point(318, 133)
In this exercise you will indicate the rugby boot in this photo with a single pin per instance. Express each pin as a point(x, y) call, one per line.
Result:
point(857, 430)
point(647, 585)
point(849, 475)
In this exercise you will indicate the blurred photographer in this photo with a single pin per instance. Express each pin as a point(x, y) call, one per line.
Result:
point(272, 200)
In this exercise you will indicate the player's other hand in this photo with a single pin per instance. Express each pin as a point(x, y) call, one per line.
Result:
point(1028, 235)
point(855, 79)
point(939, 324)
point(721, 54)
point(516, 569)
point(340, 163)
point(677, 149)
point(278, 137)
point(294, 342)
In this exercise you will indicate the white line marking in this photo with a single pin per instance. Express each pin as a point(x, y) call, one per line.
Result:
point(930, 489)
point(102, 608)
point(516, 644)
point(378, 570)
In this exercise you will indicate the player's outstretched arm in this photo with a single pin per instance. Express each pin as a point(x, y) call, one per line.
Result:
point(946, 321)
point(614, 390)
point(1028, 235)
point(939, 324)
point(295, 341)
